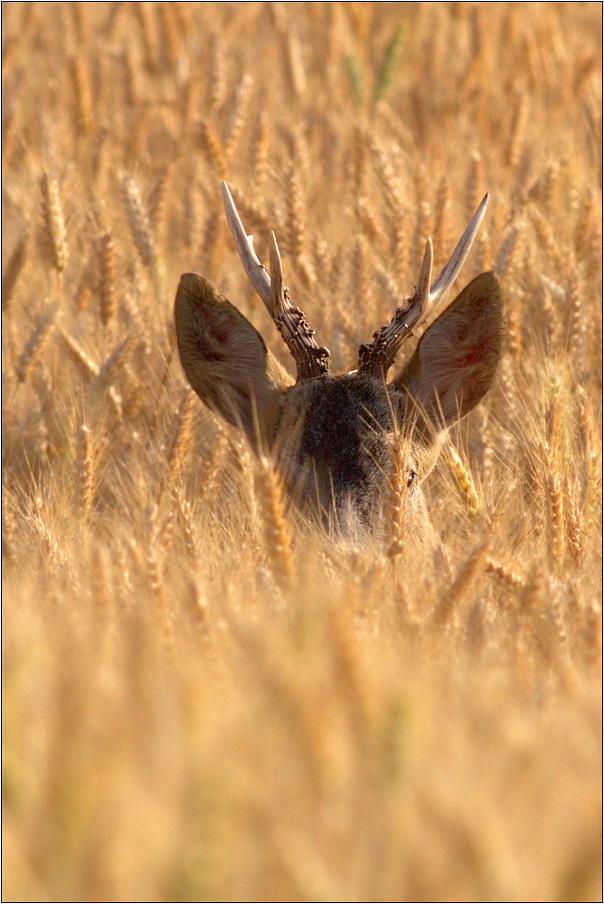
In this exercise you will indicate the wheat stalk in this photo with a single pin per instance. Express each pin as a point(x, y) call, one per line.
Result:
point(359, 274)
point(169, 39)
point(12, 271)
point(397, 500)
point(474, 184)
point(197, 603)
point(483, 253)
point(577, 328)
point(107, 274)
point(277, 536)
point(91, 373)
point(86, 471)
point(441, 236)
point(187, 520)
point(213, 148)
point(54, 222)
point(35, 343)
point(238, 115)
point(517, 132)
point(87, 367)
point(546, 238)
point(260, 157)
point(131, 78)
point(506, 256)
point(114, 360)
point(217, 79)
point(148, 35)
point(531, 599)
point(158, 198)
point(81, 87)
point(464, 482)
point(214, 465)
point(295, 68)
point(182, 436)
point(574, 531)
point(138, 220)
point(295, 228)
point(584, 230)
point(556, 509)
point(506, 575)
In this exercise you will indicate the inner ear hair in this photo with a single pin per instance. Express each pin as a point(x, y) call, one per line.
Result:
point(226, 359)
point(456, 359)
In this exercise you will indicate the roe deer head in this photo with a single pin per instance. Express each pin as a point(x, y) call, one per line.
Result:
point(332, 436)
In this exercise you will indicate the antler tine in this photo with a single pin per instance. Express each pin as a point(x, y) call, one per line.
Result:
point(256, 272)
point(276, 296)
point(311, 359)
point(377, 357)
point(448, 274)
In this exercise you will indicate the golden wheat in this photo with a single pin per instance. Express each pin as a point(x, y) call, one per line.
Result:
point(13, 270)
point(464, 482)
point(54, 222)
point(108, 296)
point(397, 500)
point(35, 343)
point(276, 531)
point(204, 698)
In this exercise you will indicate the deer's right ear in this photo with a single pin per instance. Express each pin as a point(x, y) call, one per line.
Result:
point(225, 359)
point(456, 359)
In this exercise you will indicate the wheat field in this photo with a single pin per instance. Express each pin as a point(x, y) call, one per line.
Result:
point(202, 699)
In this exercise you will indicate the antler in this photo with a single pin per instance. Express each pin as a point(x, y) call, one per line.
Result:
point(311, 359)
point(377, 357)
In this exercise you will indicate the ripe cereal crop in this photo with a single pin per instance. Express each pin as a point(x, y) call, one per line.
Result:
point(206, 696)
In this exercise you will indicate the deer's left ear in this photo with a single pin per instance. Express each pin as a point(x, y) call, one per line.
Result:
point(225, 359)
point(456, 359)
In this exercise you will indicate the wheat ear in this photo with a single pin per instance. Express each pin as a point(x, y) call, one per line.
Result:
point(464, 482)
point(505, 574)
point(86, 471)
point(213, 148)
point(556, 510)
point(217, 78)
point(276, 531)
point(81, 87)
point(442, 220)
point(182, 435)
point(13, 271)
point(138, 220)
point(238, 115)
point(54, 222)
point(107, 292)
point(34, 344)
point(397, 501)
point(295, 214)
point(474, 184)
point(514, 144)
point(260, 157)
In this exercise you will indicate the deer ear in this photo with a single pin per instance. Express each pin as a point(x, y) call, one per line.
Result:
point(225, 359)
point(456, 359)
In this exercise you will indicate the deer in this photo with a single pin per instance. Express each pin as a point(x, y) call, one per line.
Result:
point(332, 436)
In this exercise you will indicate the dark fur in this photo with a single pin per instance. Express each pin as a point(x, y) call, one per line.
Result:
point(338, 451)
